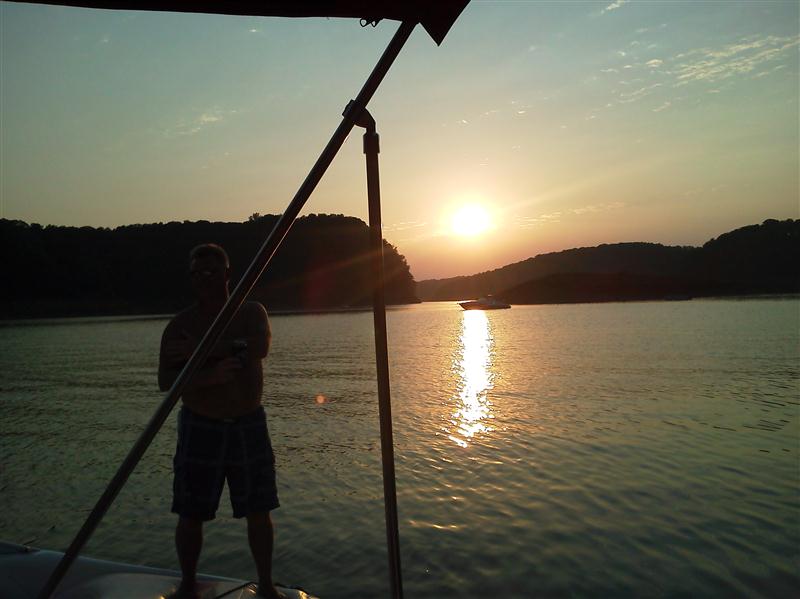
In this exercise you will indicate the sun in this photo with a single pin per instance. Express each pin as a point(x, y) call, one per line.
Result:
point(470, 220)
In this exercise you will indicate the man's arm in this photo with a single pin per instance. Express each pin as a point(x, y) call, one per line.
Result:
point(177, 347)
point(259, 334)
point(170, 355)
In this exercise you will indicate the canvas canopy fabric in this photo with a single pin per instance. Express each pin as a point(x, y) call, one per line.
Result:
point(436, 16)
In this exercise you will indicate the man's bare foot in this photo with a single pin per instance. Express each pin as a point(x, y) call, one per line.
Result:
point(185, 591)
point(269, 591)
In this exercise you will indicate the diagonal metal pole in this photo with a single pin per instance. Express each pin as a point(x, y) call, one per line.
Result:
point(372, 149)
point(233, 304)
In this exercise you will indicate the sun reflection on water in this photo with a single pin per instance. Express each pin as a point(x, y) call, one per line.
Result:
point(472, 368)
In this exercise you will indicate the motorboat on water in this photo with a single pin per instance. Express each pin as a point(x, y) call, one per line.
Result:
point(24, 569)
point(485, 303)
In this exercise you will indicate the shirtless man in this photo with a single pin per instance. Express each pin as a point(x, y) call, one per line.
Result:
point(222, 428)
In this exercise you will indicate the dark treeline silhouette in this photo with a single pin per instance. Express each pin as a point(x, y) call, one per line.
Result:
point(757, 259)
point(141, 269)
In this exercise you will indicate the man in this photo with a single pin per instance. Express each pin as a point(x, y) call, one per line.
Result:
point(222, 429)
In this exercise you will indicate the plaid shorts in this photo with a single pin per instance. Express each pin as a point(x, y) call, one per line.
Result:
point(212, 451)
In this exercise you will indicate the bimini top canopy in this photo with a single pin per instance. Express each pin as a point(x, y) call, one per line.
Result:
point(436, 16)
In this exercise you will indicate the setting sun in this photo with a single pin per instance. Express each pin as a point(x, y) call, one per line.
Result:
point(470, 220)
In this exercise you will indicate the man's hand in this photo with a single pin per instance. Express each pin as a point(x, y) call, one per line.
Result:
point(179, 350)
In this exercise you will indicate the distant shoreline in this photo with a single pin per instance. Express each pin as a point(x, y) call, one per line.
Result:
point(100, 318)
point(104, 318)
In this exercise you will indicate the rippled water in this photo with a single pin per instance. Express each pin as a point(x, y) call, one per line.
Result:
point(625, 450)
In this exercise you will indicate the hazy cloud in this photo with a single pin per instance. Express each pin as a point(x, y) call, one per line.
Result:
point(770, 71)
point(206, 118)
point(753, 56)
point(745, 56)
point(614, 6)
point(528, 222)
point(638, 94)
point(597, 208)
point(404, 226)
point(197, 124)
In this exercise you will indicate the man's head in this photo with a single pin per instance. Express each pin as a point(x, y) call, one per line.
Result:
point(209, 268)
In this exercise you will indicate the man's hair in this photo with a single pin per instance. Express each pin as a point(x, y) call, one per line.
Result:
point(210, 250)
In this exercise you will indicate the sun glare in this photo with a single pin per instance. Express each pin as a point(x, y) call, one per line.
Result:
point(470, 221)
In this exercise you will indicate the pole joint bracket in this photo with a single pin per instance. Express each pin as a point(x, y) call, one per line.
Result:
point(366, 121)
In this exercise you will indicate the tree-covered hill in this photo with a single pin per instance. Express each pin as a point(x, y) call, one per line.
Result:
point(645, 258)
point(750, 260)
point(137, 269)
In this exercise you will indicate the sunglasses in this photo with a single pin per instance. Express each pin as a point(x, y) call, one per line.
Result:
point(204, 272)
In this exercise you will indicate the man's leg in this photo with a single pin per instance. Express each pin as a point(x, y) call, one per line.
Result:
point(260, 534)
point(188, 542)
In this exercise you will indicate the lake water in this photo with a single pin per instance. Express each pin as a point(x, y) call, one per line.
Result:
point(606, 450)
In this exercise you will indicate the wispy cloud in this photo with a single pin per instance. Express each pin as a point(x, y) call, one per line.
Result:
point(770, 71)
point(198, 123)
point(638, 94)
point(596, 208)
point(410, 232)
point(404, 226)
point(529, 222)
point(614, 6)
point(745, 56)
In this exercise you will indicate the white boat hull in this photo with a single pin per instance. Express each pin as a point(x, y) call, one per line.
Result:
point(484, 304)
point(24, 571)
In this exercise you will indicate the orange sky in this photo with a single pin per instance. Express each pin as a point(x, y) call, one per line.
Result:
point(572, 123)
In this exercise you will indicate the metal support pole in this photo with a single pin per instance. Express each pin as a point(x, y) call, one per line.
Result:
point(232, 306)
point(371, 149)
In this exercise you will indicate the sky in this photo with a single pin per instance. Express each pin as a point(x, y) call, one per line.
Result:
point(569, 124)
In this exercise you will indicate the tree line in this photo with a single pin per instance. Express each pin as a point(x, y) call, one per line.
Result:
point(143, 269)
point(756, 259)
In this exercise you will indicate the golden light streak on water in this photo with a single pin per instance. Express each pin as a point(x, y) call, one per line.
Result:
point(472, 368)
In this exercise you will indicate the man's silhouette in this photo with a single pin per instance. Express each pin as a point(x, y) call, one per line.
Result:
point(222, 428)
